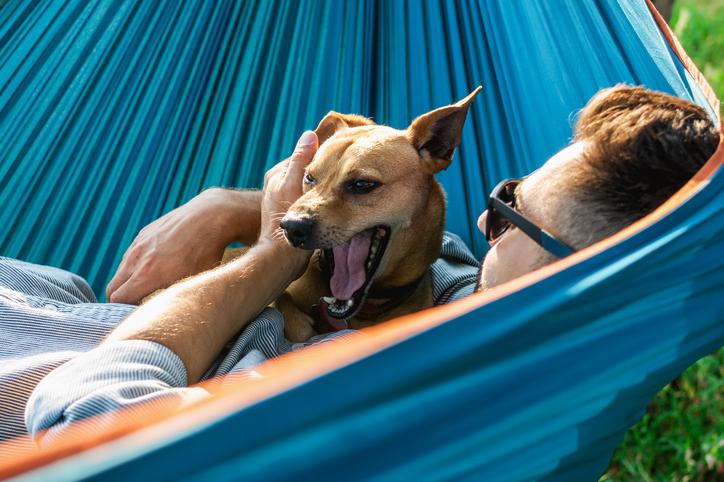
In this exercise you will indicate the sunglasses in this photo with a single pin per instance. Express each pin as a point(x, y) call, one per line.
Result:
point(502, 214)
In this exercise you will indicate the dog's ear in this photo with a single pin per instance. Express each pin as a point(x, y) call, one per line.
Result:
point(436, 134)
point(335, 121)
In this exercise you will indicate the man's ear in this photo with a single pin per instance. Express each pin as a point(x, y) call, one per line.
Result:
point(436, 134)
point(335, 121)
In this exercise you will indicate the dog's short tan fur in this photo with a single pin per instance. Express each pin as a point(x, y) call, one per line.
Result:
point(410, 201)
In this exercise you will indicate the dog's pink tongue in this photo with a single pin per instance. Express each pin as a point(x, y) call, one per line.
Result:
point(349, 266)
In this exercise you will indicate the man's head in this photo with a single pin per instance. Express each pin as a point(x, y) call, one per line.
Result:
point(632, 149)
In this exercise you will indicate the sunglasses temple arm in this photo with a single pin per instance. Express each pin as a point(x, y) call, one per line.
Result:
point(539, 235)
point(552, 245)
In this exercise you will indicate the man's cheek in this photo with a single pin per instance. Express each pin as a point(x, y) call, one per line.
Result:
point(505, 261)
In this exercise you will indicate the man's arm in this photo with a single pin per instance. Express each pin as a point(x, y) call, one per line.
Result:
point(186, 241)
point(196, 317)
point(241, 209)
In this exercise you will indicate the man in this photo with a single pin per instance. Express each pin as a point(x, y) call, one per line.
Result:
point(632, 149)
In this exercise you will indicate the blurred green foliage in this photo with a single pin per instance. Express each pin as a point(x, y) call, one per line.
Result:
point(681, 436)
point(699, 25)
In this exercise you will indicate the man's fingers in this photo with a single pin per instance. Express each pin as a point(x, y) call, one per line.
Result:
point(124, 272)
point(304, 152)
point(131, 292)
point(278, 167)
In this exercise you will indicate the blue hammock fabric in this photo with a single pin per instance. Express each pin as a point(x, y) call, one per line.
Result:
point(112, 113)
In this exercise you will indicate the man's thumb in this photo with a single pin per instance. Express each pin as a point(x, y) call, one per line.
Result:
point(302, 156)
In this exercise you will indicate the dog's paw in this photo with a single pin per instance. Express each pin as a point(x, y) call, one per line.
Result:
point(298, 326)
point(297, 332)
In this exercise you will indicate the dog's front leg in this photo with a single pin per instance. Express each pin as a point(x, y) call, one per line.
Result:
point(298, 326)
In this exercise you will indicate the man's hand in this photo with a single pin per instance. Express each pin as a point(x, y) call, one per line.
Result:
point(186, 241)
point(196, 317)
point(283, 186)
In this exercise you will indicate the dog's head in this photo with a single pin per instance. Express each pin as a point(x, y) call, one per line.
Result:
point(365, 183)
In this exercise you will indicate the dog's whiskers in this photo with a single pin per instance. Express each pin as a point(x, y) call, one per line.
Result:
point(278, 234)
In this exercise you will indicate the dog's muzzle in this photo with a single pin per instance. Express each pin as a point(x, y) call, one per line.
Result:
point(298, 230)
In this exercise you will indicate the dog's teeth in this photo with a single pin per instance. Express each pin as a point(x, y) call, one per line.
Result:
point(329, 300)
point(350, 302)
point(373, 249)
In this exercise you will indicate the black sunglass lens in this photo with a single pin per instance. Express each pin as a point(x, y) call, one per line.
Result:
point(508, 194)
point(498, 225)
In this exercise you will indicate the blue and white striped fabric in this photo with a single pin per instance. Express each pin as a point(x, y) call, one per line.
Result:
point(50, 321)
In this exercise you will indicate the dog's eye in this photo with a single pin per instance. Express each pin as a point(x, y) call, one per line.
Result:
point(309, 179)
point(362, 186)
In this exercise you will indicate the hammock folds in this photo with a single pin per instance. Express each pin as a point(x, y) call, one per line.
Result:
point(114, 112)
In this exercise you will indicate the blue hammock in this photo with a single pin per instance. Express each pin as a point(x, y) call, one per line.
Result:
point(113, 112)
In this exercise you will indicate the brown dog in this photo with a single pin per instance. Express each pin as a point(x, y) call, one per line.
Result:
point(374, 213)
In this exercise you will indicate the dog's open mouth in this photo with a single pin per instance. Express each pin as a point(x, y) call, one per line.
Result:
point(350, 268)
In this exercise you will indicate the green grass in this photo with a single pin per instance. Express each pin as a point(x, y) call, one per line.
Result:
point(681, 436)
point(699, 25)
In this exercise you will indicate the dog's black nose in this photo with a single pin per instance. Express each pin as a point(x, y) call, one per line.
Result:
point(298, 230)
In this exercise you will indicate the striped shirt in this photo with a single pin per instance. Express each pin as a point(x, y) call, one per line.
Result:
point(53, 371)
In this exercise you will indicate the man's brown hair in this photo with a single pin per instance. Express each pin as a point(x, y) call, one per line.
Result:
point(642, 147)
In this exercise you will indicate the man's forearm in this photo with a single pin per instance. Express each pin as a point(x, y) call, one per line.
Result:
point(198, 316)
point(244, 207)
